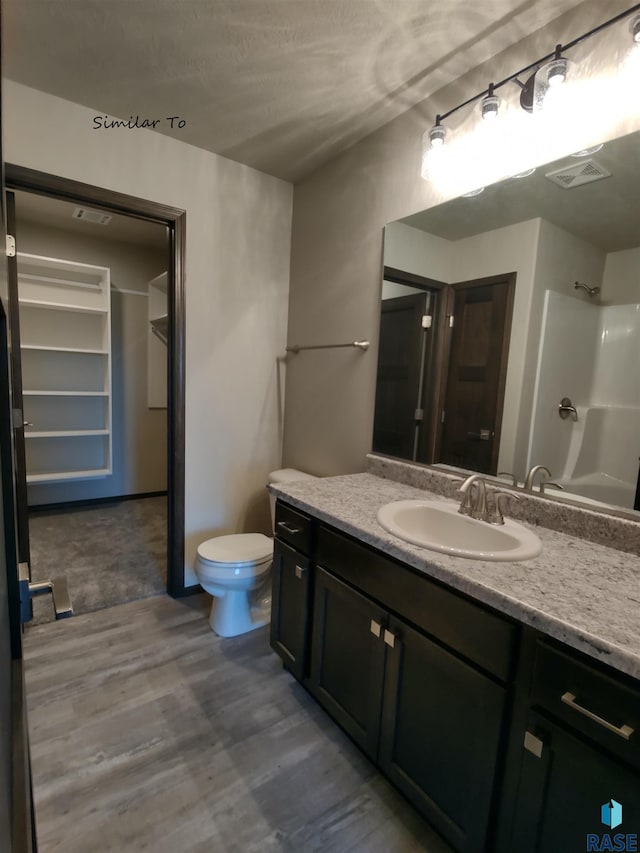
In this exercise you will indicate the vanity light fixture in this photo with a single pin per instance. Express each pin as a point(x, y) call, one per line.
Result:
point(555, 68)
point(437, 134)
point(490, 104)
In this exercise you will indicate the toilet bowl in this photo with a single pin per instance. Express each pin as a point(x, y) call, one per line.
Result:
point(236, 570)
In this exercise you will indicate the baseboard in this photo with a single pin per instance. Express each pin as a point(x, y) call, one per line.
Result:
point(87, 504)
point(186, 591)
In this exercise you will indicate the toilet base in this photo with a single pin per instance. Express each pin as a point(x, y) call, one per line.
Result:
point(237, 612)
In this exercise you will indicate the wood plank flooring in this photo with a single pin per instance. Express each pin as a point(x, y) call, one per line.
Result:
point(149, 733)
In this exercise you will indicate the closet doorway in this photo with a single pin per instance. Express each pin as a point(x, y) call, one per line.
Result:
point(99, 294)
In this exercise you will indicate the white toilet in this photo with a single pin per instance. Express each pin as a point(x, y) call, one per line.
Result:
point(236, 570)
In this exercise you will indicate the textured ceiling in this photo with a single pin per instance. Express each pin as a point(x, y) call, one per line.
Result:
point(281, 85)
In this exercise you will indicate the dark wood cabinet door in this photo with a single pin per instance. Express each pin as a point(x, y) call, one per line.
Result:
point(290, 607)
point(562, 791)
point(439, 740)
point(347, 658)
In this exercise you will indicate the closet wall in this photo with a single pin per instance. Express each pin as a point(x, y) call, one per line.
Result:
point(139, 432)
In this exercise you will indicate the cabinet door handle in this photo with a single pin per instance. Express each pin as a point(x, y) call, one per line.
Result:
point(533, 744)
point(288, 528)
point(389, 638)
point(375, 628)
point(300, 571)
point(622, 731)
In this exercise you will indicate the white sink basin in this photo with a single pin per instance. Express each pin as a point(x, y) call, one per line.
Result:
point(439, 526)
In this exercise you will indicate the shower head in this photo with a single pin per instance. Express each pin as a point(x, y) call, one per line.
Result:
point(592, 291)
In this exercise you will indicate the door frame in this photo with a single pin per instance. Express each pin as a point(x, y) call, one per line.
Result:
point(43, 183)
point(435, 356)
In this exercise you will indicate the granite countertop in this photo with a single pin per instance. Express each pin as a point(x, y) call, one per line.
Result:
point(583, 594)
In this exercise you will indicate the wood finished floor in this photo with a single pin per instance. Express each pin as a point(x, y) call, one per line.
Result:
point(149, 733)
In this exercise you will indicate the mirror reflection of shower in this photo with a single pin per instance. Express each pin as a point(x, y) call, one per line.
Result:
point(591, 291)
point(592, 349)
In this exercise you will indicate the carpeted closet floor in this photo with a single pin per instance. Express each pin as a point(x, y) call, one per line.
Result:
point(110, 554)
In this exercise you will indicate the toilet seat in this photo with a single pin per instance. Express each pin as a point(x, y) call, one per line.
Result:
point(237, 550)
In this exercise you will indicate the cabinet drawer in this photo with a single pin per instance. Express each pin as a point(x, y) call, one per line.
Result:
point(293, 527)
point(599, 705)
point(469, 629)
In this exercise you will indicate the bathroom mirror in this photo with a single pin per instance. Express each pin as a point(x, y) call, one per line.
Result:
point(510, 328)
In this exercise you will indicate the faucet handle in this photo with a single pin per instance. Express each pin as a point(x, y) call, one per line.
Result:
point(496, 516)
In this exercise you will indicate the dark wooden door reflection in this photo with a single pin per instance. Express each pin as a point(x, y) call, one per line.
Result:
point(472, 417)
point(400, 359)
point(442, 364)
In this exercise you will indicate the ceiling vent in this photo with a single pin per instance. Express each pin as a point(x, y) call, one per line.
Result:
point(577, 174)
point(95, 216)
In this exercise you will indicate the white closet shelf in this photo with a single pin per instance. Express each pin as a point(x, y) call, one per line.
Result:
point(60, 282)
point(68, 475)
point(70, 433)
point(65, 315)
point(64, 349)
point(65, 393)
point(61, 306)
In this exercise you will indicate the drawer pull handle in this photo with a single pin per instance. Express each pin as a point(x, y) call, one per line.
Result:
point(300, 570)
point(288, 528)
point(622, 731)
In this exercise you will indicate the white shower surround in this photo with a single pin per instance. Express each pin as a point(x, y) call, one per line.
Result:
point(589, 353)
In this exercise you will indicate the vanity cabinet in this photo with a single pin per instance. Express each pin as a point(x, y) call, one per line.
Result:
point(504, 739)
point(348, 657)
point(581, 748)
point(429, 718)
point(563, 784)
point(291, 585)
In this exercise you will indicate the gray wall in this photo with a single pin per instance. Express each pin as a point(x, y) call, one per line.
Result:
point(339, 214)
point(139, 433)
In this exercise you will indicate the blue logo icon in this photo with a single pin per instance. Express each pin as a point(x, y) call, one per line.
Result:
point(611, 814)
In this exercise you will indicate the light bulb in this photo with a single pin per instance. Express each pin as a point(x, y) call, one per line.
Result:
point(437, 134)
point(489, 107)
point(557, 72)
point(635, 29)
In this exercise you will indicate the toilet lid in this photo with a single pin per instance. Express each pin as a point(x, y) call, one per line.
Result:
point(238, 548)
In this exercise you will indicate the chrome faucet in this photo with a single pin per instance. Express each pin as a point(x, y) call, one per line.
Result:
point(475, 508)
point(528, 483)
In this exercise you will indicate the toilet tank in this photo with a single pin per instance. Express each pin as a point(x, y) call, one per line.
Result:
point(284, 475)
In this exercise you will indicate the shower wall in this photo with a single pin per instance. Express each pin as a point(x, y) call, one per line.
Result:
point(566, 361)
point(589, 353)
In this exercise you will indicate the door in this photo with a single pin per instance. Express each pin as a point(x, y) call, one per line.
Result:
point(16, 393)
point(400, 372)
point(440, 733)
point(472, 415)
point(347, 658)
point(17, 833)
point(564, 785)
point(290, 607)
